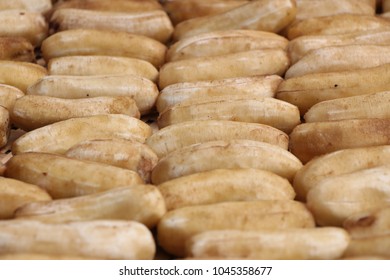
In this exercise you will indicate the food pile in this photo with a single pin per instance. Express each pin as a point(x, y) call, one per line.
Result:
point(196, 129)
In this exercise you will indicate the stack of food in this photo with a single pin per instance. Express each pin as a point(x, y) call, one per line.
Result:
point(141, 129)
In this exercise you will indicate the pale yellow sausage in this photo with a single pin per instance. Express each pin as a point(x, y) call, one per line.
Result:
point(226, 154)
point(302, 45)
point(63, 177)
point(309, 8)
point(117, 152)
point(224, 42)
point(266, 15)
point(103, 42)
point(59, 137)
point(112, 6)
point(143, 91)
point(249, 63)
point(177, 136)
point(335, 199)
point(277, 244)
point(31, 112)
point(177, 226)
point(179, 10)
point(268, 111)
point(340, 58)
point(375, 105)
point(327, 137)
point(154, 24)
point(255, 86)
point(310, 89)
point(221, 185)
point(141, 203)
point(338, 163)
point(104, 239)
point(336, 24)
point(89, 65)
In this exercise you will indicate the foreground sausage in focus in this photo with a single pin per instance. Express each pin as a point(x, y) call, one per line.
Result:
point(104, 239)
point(177, 136)
point(226, 154)
point(143, 91)
point(221, 185)
point(286, 244)
point(63, 177)
point(177, 226)
point(32, 112)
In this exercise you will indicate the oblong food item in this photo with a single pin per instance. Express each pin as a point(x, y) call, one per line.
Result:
point(89, 65)
point(182, 10)
point(39, 6)
point(5, 126)
point(140, 203)
point(369, 223)
point(177, 136)
point(60, 136)
point(338, 163)
point(340, 58)
point(143, 91)
point(374, 105)
point(255, 86)
point(224, 42)
point(103, 42)
point(64, 177)
point(104, 239)
point(300, 46)
point(226, 154)
point(21, 23)
point(15, 193)
point(112, 6)
point(154, 24)
point(309, 8)
point(266, 15)
point(117, 152)
point(222, 185)
point(268, 111)
point(309, 140)
point(369, 246)
point(336, 24)
point(336, 198)
point(310, 89)
point(275, 244)
point(8, 96)
point(20, 74)
point(16, 49)
point(248, 63)
point(34, 111)
point(178, 226)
